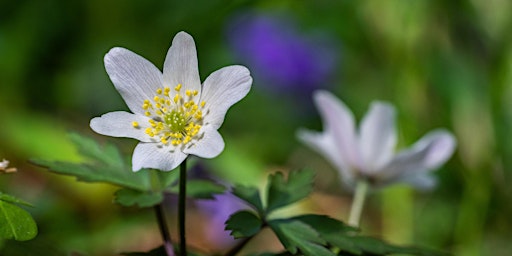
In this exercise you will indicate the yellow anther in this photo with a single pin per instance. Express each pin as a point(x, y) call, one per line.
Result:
point(176, 118)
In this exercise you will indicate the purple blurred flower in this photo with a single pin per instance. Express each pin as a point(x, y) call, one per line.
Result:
point(281, 58)
point(218, 211)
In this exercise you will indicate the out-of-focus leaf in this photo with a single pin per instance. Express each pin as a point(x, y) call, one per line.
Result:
point(201, 189)
point(332, 230)
point(130, 197)
point(105, 165)
point(12, 199)
point(89, 148)
point(167, 179)
point(298, 236)
point(159, 251)
point(285, 253)
point(282, 193)
point(251, 195)
point(16, 223)
point(374, 246)
point(243, 224)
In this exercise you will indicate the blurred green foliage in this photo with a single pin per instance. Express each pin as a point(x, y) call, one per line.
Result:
point(442, 63)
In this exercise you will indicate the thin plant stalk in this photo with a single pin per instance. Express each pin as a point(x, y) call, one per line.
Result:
point(181, 207)
point(357, 204)
point(166, 236)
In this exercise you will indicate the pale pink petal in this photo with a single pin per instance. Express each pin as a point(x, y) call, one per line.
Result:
point(156, 156)
point(422, 181)
point(323, 143)
point(338, 120)
point(180, 66)
point(134, 77)
point(120, 124)
point(221, 90)
point(209, 145)
point(377, 136)
point(433, 150)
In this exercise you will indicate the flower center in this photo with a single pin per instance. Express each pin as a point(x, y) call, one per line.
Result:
point(173, 119)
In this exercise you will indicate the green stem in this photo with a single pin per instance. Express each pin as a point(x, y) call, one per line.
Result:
point(181, 207)
point(166, 236)
point(357, 204)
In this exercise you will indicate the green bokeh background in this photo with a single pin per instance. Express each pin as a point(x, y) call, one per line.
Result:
point(442, 63)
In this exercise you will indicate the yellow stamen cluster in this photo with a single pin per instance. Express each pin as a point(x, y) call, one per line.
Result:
point(175, 119)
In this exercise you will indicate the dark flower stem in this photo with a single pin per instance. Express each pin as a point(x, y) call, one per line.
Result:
point(181, 207)
point(166, 236)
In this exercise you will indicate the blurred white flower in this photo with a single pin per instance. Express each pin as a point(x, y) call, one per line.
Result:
point(173, 114)
point(369, 153)
point(3, 167)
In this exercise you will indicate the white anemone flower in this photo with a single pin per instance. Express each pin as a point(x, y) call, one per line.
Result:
point(368, 154)
point(173, 115)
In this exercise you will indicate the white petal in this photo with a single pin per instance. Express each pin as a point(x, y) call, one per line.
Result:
point(209, 145)
point(134, 77)
point(119, 124)
point(323, 143)
point(3, 164)
point(180, 66)
point(339, 121)
point(421, 181)
point(427, 154)
point(221, 90)
point(378, 136)
point(156, 156)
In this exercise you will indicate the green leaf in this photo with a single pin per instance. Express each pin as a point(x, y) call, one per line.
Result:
point(251, 195)
point(333, 231)
point(104, 164)
point(89, 148)
point(12, 199)
point(297, 236)
point(130, 197)
point(16, 223)
point(201, 189)
point(243, 224)
point(282, 193)
point(374, 246)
